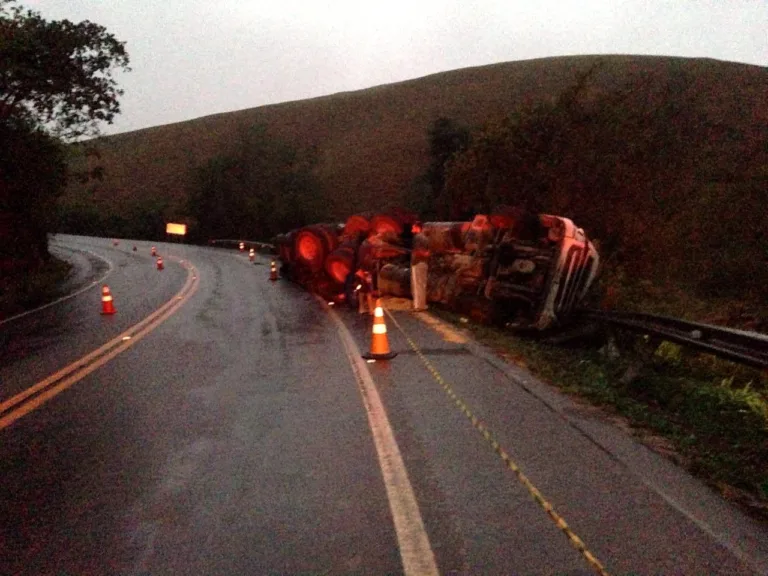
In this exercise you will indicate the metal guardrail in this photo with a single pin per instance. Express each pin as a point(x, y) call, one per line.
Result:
point(749, 348)
point(228, 243)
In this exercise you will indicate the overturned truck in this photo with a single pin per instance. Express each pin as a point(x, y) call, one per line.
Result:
point(525, 270)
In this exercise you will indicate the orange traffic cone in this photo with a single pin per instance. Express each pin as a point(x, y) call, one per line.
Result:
point(160, 263)
point(273, 271)
point(107, 306)
point(154, 251)
point(242, 246)
point(252, 255)
point(379, 342)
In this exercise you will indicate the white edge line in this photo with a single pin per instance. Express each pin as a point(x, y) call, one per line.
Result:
point(68, 296)
point(415, 551)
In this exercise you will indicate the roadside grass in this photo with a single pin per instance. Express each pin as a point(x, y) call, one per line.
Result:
point(21, 292)
point(709, 415)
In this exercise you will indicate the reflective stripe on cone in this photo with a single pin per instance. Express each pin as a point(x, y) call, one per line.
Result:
point(107, 305)
point(379, 340)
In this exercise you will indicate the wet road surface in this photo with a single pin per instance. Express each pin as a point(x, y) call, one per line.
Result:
point(237, 437)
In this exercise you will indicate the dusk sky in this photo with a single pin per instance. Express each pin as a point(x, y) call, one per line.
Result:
point(192, 58)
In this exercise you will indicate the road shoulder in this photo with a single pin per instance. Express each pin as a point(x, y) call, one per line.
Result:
point(742, 535)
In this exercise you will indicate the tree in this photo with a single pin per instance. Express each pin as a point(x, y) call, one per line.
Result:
point(57, 75)
point(56, 85)
point(261, 186)
point(32, 175)
point(446, 138)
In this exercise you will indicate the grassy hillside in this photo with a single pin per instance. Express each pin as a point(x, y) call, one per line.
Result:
point(709, 117)
point(373, 142)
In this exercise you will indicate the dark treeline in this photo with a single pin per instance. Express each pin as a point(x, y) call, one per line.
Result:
point(258, 188)
point(255, 188)
point(33, 175)
point(620, 165)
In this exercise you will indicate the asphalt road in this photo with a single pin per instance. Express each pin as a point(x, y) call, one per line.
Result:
point(237, 431)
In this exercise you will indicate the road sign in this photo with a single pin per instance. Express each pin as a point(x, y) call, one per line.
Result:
point(178, 229)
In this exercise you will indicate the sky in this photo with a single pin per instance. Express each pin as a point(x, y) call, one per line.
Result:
point(193, 58)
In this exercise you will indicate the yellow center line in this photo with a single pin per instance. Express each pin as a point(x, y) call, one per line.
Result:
point(19, 405)
point(478, 425)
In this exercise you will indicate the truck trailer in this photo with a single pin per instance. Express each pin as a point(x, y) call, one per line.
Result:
point(525, 270)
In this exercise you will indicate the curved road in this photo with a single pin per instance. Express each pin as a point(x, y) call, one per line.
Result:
point(237, 431)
